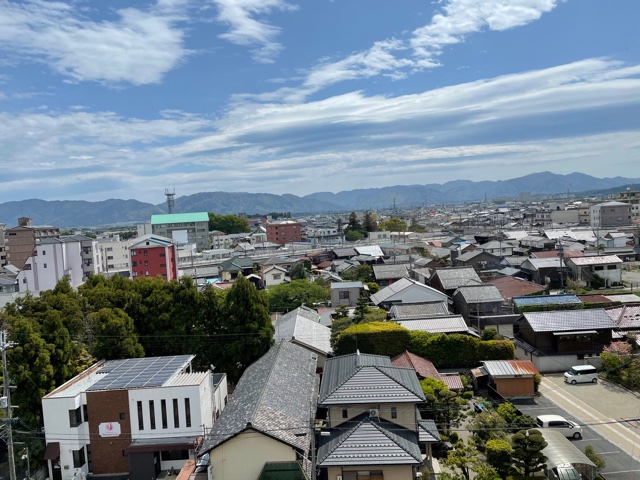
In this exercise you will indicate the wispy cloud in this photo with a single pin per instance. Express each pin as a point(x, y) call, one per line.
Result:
point(396, 57)
point(139, 47)
point(246, 30)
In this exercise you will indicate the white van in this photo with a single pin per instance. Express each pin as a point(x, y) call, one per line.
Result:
point(568, 428)
point(581, 374)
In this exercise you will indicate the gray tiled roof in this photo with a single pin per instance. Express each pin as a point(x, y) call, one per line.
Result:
point(399, 286)
point(428, 431)
point(364, 378)
point(569, 320)
point(274, 396)
point(392, 271)
point(344, 252)
point(368, 441)
point(482, 293)
point(451, 278)
point(303, 325)
point(418, 310)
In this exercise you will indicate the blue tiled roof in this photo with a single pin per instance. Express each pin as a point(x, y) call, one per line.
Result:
point(567, 299)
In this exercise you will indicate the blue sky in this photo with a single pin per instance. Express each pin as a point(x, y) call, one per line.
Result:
point(121, 99)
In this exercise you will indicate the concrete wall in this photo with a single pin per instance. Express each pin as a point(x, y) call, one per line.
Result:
point(244, 456)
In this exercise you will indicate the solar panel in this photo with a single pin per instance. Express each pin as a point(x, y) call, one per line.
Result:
point(140, 372)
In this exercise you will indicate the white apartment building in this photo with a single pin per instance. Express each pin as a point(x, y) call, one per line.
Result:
point(52, 259)
point(138, 416)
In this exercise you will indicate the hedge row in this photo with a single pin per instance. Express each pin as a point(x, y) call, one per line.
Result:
point(445, 351)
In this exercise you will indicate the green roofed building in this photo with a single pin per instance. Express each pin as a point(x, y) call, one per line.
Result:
point(183, 228)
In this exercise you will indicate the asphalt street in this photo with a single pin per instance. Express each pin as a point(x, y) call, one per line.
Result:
point(608, 415)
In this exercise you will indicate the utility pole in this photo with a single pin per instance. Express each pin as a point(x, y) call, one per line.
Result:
point(7, 400)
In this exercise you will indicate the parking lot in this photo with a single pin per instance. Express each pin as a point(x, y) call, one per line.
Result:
point(609, 416)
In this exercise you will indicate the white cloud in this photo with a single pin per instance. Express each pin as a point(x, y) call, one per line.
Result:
point(140, 47)
point(246, 30)
point(507, 122)
point(397, 58)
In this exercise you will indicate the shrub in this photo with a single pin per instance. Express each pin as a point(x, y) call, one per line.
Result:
point(597, 460)
point(467, 395)
point(378, 338)
point(489, 334)
point(432, 385)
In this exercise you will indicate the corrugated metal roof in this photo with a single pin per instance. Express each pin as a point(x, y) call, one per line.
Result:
point(185, 379)
point(179, 218)
point(510, 368)
point(445, 324)
point(338, 285)
point(371, 250)
point(595, 260)
point(369, 442)
point(560, 451)
point(569, 320)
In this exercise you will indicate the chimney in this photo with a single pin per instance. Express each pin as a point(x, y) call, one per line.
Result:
point(24, 222)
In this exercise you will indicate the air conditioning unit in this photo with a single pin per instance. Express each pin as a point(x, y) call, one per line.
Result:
point(374, 412)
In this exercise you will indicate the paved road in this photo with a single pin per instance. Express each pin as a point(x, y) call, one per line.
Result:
point(602, 410)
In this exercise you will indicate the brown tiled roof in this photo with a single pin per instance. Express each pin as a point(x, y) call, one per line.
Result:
point(594, 299)
point(453, 381)
point(510, 287)
point(423, 367)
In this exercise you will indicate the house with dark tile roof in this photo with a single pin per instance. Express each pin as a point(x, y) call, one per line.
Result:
point(302, 327)
point(405, 291)
point(373, 420)
point(268, 417)
point(556, 340)
point(448, 280)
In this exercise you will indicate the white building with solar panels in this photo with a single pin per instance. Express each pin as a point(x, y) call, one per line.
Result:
point(135, 417)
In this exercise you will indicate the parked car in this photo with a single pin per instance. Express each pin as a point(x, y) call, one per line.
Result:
point(567, 427)
point(581, 374)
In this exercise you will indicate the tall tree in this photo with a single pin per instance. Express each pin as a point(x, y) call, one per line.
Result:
point(228, 223)
point(527, 452)
point(247, 329)
point(392, 225)
point(298, 271)
point(368, 223)
point(287, 296)
point(115, 335)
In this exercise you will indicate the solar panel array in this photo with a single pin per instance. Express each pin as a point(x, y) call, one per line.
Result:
point(139, 372)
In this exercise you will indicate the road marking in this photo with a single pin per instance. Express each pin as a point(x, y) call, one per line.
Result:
point(620, 437)
point(607, 453)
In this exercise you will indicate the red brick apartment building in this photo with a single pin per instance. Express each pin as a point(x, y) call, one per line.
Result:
point(286, 231)
point(153, 255)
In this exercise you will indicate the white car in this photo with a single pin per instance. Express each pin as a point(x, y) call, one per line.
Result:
point(567, 427)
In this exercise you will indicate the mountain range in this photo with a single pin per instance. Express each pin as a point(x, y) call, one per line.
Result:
point(75, 213)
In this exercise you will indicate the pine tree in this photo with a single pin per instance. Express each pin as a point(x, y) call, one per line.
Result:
point(527, 452)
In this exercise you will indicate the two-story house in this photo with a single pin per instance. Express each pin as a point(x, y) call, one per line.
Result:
point(375, 429)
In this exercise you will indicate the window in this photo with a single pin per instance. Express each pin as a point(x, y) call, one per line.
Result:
point(146, 263)
point(345, 413)
point(45, 265)
point(78, 458)
point(343, 295)
point(75, 417)
point(176, 414)
point(612, 267)
point(134, 264)
point(187, 411)
point(168, 455)
point(394, 412)
point(146, 273)
point(277, 276)
point(163, 408)
point(163, 264)
point(85, 413)
point(44, 252)
point(133, 253)
point(140, 417)
point(152, 414)
point(123, 416)
point(163, 254)
point(145, 252)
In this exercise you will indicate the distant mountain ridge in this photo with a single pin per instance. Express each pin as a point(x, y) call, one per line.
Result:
point(74, 213)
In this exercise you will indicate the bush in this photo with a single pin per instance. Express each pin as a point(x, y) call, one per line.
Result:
point(597, 460)
point(489, 334)
point(467, 395)
point(377, 338)
point(458, 351)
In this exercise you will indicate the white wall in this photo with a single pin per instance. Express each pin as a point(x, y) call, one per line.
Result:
point(118, 250)
point(57, 429)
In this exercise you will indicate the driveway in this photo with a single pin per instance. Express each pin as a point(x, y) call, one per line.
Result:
point(609, 416)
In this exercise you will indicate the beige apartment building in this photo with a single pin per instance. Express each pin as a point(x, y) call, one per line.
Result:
point(20, 241)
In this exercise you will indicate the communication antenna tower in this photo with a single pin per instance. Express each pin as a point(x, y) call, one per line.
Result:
point(170, 193)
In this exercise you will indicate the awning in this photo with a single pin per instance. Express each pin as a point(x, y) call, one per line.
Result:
point(163, 444)
point(52, 451)
point(577, 332)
